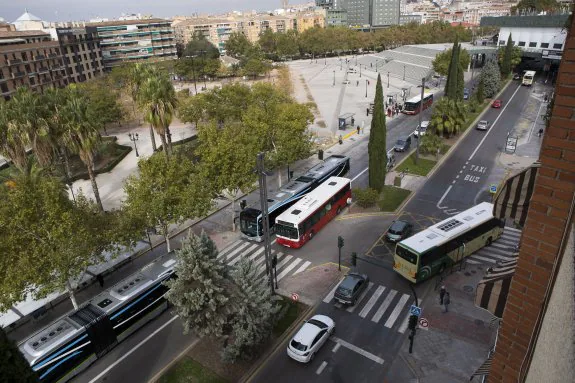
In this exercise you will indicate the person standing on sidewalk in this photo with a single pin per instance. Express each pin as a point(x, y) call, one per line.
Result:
point(358, 130)
point(441, 294)
point(446, 302)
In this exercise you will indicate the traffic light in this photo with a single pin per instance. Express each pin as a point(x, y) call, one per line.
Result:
point(412, 322)
point(340, 241)
point(354, 259)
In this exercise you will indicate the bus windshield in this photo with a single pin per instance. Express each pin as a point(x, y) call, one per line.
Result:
point(411, 106)
point(406, 254)
point(287, 231)
point(248, 219)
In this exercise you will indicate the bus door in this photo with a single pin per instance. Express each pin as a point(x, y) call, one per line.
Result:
point(460, 252)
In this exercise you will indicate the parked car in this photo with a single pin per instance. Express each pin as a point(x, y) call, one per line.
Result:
point(482, 125)
point(310, 337)
point(497, 104)
point(398, 231)
point(351, 288)
point(466, 94)
point(390, 160)
point(421, 129)
point(516, 76)
point(346, 82)
point(402, 144)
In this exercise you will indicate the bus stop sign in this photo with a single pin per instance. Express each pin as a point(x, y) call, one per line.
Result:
point(493, 189)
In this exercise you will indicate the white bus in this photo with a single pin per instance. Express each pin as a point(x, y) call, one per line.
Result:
point(434, 249)
point(528, 77)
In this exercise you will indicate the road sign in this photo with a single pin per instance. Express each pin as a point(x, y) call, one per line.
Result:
point(414, 310)
point(423, 323)
point(493, 189)
point(294, 297)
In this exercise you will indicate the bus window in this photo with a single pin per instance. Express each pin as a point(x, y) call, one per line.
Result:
point(406, 254)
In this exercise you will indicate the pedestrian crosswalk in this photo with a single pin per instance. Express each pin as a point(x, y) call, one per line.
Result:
point(240, 249)
point(503, 249)
point(379, 305)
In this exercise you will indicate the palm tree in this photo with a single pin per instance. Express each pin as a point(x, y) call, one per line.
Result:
point(81, 134)
point(137, 75)
point(54, 100)
point(448, 117)
point(158, 99)
point(12, 141)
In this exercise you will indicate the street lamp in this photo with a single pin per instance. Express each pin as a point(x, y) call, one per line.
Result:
point(388, 79)
point(404, 73)
point(203, 68)
point(366, 81)
point(360, 71)
point(134, 137)
point(333, 78)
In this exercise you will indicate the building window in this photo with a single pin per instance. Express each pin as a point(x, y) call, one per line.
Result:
point(532, 45)
point(557, 46)
point(501, 42)
point(544, 45)
point(522, 43)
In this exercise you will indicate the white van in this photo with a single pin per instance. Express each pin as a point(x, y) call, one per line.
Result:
point(420, 130)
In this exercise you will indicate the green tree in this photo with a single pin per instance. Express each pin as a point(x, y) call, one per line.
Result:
point(192, 109)
point(13, 366)
point(167, 192)
point(448, 117)
point(515, 55)
point(376, 147)
point(200, 46)
point(287, 44)
point(238, 45)
point(12, 142)
point(255, 312)
point(480, 93)
point(536, 6)
point(451, 83)
point(441, 61)
point(506, 59)
point(136, 75)
point(491, 78)
point(430, 143)
point(201, 293)
point(105, 103)
point(268, 41)
point(254, 67)
point(460, 82)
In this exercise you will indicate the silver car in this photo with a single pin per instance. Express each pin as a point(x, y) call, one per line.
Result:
point(483, 125)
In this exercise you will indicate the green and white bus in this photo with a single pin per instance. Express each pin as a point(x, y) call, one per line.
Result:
point(438, 247)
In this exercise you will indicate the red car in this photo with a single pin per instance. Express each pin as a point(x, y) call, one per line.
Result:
point(496, 104)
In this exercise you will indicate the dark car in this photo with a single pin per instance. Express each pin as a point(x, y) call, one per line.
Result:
point(402, 144)
point(351, 288)
point(516, 76)
point(466, 94)
point(398, 230)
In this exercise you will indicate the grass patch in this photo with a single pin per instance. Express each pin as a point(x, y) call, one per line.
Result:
point(188, 370)
point(422, 168)
point(292, 312)
point(392, 197)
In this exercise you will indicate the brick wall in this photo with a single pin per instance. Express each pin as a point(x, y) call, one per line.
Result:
point(548, 216)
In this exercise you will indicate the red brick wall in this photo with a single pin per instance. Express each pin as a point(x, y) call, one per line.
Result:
point(548, 216)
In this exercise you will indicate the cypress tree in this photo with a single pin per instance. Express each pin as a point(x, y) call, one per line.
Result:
point(506, 62)
point(460, 82)
point(376, 148)
point(451, 87)
point(13, 366)
point(480, 94)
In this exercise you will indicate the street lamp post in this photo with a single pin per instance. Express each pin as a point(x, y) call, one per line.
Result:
point(333, 78)
point(134, 137)
point(203, 68)
point(360, 71)
point(404, 73)
point(388, 79)
point(366, 81)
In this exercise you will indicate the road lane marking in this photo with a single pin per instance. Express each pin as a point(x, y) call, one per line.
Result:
point(321, 367)
point(372, 301)
point(230, 247)
point(360, 351)
point(351, 309)
point(494, 122)
point(357, 176)
point(384, 306)
point(329, 296)
point(483, 259)
point(534, 122)
point(443, 197)
point(288, 269)
point(256, 254)
point(396, 311)
point(302, 267)
point(336, 347)
point(283, 261)
point(404, 324)
point(242, 255)
point(233, 253)
point(124, 356)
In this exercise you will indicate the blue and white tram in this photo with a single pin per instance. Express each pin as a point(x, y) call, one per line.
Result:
point(70, 344)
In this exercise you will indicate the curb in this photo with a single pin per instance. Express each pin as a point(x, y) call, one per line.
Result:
point(180, 356)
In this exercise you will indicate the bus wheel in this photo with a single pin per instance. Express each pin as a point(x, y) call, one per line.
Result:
point(488, 242)
point(310, 234)
point(338, 210)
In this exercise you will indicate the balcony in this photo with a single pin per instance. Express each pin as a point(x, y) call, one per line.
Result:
point(39, 57)
point(52, 55)
point(18, 74)
point(14, 61)
point(43, 70)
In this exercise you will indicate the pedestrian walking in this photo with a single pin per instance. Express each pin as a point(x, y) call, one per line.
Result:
point(358, 129)
point(540, 132)
point(441, 294)
point(446, 302)
point(357, 83)
point(100, 280)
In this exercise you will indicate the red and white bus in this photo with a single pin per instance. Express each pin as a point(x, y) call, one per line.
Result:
point(413, 105)
point(302, 221)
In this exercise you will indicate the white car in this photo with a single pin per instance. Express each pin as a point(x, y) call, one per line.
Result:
point(482, 125)
point(420, 131)
point(310, 337)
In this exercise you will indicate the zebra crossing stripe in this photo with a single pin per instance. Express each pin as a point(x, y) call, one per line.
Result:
point(404, 324)
point(509, 242)
point(472, 262)
point(512, 229)
point(229, 248)
point(242, 255)
point(235, 251)
point(330, 295)
point(483, 259)
point(396, 311)
point(259, 261)
point(256, 254)
point(283, 261)
point(498, 245)
point(363, 313)
point(487, 253)
point(302, 267)
point(351, 309)
point(289, 268)
point(384, 306)
point(496, 250)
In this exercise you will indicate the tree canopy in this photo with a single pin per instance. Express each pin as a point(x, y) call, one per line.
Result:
point(491, 78)
point(377, 148)
point(441, 61)
point(14, 367)
point(511, 52)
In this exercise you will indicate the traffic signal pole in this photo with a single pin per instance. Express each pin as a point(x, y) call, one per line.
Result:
point(265, 217)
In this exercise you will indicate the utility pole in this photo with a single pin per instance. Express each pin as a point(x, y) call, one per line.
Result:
point(261, 170)
point(366, 88)
point(413, 319)
point(333, 78)
point(420, 117)
point(388, 79)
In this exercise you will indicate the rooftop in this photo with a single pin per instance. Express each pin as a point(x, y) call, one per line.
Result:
point(27, 16)
point(126, 22)
point(530, 21)
point(16, 34)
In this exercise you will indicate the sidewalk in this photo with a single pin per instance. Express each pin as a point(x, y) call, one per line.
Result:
point(456, 343)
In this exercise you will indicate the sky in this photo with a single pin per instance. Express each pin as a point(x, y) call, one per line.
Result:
point(65, 10)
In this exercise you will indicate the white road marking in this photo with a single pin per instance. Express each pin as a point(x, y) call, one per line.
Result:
point(230, 248)
point(508, 228)
point(329, 296)
point(302, 267)
point(363, 313)
point(125, 355)
point(443, 197)
point(283, 261)
point(404, 324)
point(321, 367)
point(336, 347)
point(472, 262)
point(493, 125)
point(242, 254)
point(236, 250)
point(483, 259)
point(384, 306)
point(256, 254)
point(534, 122)
point(360, 351)
point(357, 176)
point(289, 268)
point(396, 311)
point(351, 309)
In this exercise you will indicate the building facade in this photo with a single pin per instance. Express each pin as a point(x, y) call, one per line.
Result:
point(82, 53)
point(30, 59)
point(385, 12)
point(134, 40)
point(336, 18)
point(358, 12)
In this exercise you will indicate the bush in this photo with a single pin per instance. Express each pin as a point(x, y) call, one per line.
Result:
point(365, 197)
point(430, 143)
point(490, 78)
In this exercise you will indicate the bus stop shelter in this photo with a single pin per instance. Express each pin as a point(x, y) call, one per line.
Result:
point(345, 120)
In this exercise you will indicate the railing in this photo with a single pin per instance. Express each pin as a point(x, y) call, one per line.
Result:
point(18, 74)
point(14, 61)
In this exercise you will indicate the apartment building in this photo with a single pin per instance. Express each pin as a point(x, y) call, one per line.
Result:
point(31, 59)
point(82, 53)
point(216, 31)
point(310, 20)
point(134, 40)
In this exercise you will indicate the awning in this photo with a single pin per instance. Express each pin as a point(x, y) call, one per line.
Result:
point(484, 368)
point(492, 290)
point(512, 200)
